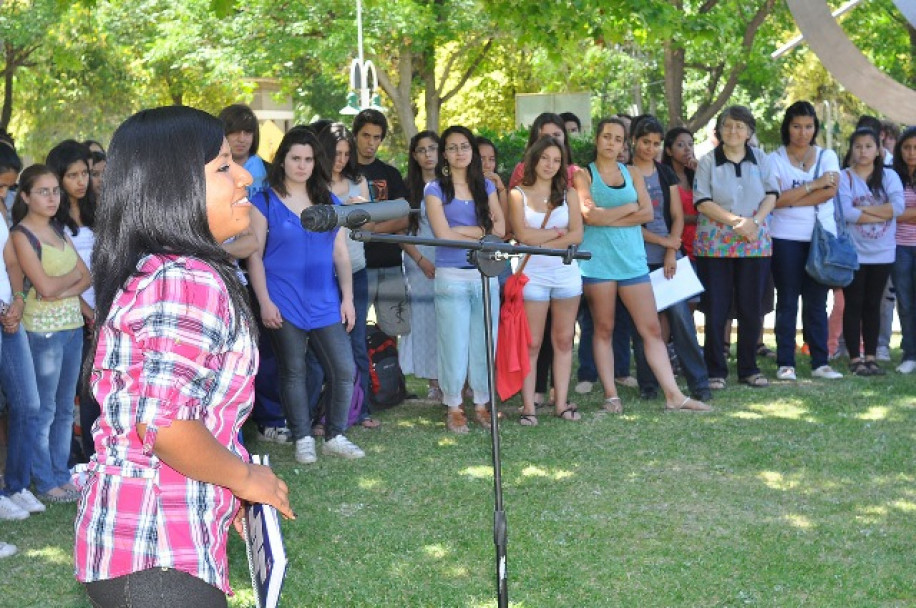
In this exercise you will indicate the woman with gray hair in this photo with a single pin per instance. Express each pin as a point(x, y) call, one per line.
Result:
point(734, 191)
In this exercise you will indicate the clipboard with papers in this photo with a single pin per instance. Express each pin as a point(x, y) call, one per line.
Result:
point(685, 284)
point(267, 560)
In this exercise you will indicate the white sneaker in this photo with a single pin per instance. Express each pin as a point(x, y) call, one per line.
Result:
point(628, 381)
point(825, 371)
point(26, 501)
point(785, 372)
point(305, 450)
point(275, 434)
point(883, 353)
point(343, 447)
point(6, 549)
point(10, 510)
point(907, 367)
point(584, 387)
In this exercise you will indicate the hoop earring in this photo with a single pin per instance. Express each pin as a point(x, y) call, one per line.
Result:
point(445, 170)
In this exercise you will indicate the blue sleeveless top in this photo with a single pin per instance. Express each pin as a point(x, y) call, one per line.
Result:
point(299, 266)
point(618, 252)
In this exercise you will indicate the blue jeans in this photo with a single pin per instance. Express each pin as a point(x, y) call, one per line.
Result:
point(791, 282)
point(57, 356)
point(17, 376)
point(624, 331)
point(461, 339)
point(331, 346)
point(905, 283)
point(684, 335)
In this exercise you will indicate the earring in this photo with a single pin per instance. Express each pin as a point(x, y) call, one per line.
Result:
point(445, 170)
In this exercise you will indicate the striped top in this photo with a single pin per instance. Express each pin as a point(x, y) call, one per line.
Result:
point(166, 352)
point(906, 232)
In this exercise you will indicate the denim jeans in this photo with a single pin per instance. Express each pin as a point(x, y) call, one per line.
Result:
point(332, 347)
point(792, 281)
point(905, 283)
point(684, 334)
point(461, 339)
point(315, 372)
point(17, 376)
point(624, 331)
point(741, 280)
point(56, 356)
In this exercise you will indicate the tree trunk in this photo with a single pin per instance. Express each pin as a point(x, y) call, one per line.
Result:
point(674, 83)
point(6, 114)
point(400, 92)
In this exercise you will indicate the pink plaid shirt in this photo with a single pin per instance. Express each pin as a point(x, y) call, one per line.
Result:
point(167, 351)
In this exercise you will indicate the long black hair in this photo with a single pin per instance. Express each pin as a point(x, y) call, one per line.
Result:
point(671, 137)
point(799, 108)
point(318, 184)
point(59, 160)
point(876, 179)
point(558, 183)
point(155, 203)
point(328, 139)
point(415, 182)
point(899, 166)
point(476, 180)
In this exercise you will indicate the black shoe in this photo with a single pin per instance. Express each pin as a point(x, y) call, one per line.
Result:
point(648, 394)
point(704, 395)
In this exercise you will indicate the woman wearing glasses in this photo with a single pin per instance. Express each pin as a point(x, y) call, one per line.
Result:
point(53, 323)
point(735, 190)
point(462, 205)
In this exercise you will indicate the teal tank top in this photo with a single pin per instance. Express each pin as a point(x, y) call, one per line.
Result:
point(618, 252)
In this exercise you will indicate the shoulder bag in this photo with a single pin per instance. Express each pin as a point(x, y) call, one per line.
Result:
point(832, 260)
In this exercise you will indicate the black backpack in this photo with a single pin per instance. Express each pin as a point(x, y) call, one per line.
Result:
point(387, 386)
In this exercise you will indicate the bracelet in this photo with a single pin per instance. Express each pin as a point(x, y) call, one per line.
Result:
point(418, 260)
point(19, 294)
point(807, 188)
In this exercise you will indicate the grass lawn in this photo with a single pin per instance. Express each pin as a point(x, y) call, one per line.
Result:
point(798, 495)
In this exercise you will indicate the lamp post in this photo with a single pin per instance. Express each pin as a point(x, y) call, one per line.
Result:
point(363, 78)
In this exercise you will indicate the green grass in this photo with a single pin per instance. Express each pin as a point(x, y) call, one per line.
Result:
point(802, 494)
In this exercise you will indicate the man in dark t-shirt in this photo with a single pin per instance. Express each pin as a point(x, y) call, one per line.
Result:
point(387, 284)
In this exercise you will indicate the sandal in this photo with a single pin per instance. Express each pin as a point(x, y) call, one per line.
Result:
point(874, 369)
point(528, 420)
point(764, 351)
point(689, 405)
point(613, 405)
point(370, 423)
point(571, 413)
point(755, 380)
point(456, 422)
point(717, 384)
point(482, 416)
point(859, 368)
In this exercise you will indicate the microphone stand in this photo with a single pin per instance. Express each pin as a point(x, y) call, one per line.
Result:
point(488, 255)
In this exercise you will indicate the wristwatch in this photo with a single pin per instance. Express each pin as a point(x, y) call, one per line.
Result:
point(756, 223)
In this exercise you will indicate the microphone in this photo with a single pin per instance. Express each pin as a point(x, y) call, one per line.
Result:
point(324, 218)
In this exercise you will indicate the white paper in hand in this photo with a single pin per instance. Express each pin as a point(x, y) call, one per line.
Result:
point(682, 286)
point(266, 554)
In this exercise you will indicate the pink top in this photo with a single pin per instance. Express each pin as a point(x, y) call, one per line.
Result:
point(172, 348)
point(906, 233)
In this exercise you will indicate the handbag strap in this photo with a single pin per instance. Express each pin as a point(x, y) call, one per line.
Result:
point(521, 266)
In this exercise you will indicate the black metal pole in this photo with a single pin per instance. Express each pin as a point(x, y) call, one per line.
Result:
point(488, 255)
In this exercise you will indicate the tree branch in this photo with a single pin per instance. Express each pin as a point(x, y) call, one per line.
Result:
point(708, 6)
point(468, 72)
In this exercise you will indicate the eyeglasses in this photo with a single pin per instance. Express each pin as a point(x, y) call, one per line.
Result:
point(460, 147)
point(427, 150)
point(45, 192)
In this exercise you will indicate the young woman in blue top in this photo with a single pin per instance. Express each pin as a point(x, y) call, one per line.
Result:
point(462, 205)
point(615, 205)
point(304, 285)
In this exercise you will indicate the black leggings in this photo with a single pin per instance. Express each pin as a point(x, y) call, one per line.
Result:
point(155, 588)
point(862, 315)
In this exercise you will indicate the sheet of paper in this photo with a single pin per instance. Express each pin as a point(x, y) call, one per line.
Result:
point(682, 286)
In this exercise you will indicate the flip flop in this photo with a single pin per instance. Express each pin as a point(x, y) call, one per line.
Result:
point(570, 414)
point(613, 405)
point(689, 405)
point(528, 420)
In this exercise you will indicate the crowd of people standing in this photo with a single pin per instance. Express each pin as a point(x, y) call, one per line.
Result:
point(742, 218)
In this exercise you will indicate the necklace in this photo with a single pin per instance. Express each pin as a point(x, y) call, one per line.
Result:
point(801, 163)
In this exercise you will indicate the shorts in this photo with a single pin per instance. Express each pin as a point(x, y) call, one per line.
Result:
point(643, 278)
